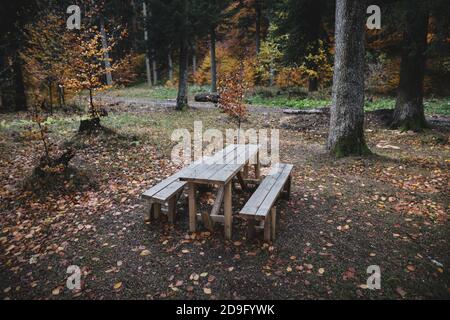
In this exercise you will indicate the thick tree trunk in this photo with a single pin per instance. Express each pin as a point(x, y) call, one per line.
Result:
point(182, 97)
point(20, 99)
point(213, 61)
point(409, 111)
point(106, 58)
point(346, 136)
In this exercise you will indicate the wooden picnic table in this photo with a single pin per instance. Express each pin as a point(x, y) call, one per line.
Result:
point(219, 169)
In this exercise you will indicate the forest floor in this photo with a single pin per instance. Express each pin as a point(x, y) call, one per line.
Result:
point(389, 209)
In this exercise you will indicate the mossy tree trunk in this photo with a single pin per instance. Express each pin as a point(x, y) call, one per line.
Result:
point(346, 135)
point(409, 111)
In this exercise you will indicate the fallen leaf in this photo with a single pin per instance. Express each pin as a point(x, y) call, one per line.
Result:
point(207, 290)
point(401, 292)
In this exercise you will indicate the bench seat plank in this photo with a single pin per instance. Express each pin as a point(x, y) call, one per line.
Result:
point(265, 196)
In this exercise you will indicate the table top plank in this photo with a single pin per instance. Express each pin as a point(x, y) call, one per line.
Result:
point(235, 157)
point(198, 167)
point(245, 153)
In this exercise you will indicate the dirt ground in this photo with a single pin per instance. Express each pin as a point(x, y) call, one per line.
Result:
point(389, 210)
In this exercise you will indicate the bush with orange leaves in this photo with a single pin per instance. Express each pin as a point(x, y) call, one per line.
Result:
point(232, 88)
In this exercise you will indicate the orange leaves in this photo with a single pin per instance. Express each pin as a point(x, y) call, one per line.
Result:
point(231, 93)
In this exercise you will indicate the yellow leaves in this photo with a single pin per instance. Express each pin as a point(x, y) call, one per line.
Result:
point(117, 285)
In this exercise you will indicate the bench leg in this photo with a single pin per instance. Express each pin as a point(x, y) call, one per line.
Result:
point(172, 209)
point(228, 214)
point(149, 212)
point(192, 207)
point(267, 231)
point(287, 189)
point(156, 210)
point(273, 213)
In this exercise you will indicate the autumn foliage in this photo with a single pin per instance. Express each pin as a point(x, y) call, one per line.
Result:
point(232, 88)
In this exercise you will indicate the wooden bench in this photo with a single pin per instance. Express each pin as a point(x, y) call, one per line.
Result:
point(260, 206)
point(165, 192)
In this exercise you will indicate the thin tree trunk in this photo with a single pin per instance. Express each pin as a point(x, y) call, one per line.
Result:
point(258, 26)
point(346, 136)
point(91, 104)
point(109, 80)
point(409, 110)
point(271, 76)
point(155, 71)
point(134, 24)
point(50, 93)
point(313, 84)
point(213, 61)
point(194, 60)
point(147, 60)
point(182, 98)
point(169, 56)
point(20, 100)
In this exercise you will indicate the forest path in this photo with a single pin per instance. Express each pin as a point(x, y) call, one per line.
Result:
point(148, 104)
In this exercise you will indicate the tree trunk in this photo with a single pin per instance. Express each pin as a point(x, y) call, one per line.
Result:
point(194, 60)
point(213, 61)
point(346, 136)
point(155, 70)
point(169, 56)
point(50, 95)
point(313, 84)
point(106, 59)
point(147, 60)
point(182, 97)
point(20, 99)
point(258, 26)
point(409, 111)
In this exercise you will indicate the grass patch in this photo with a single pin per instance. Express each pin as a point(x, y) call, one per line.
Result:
point(156, 92)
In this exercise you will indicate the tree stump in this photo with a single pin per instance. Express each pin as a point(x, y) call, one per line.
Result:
point(89, 125)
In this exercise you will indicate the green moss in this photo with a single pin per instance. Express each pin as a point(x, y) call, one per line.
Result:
point(416, 124)
point(347, 147)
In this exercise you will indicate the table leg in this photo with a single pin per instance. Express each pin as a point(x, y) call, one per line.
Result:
point(192, 207)
point(245, 171)
point(241, 181)
point(257, 167)
point(228, 214)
